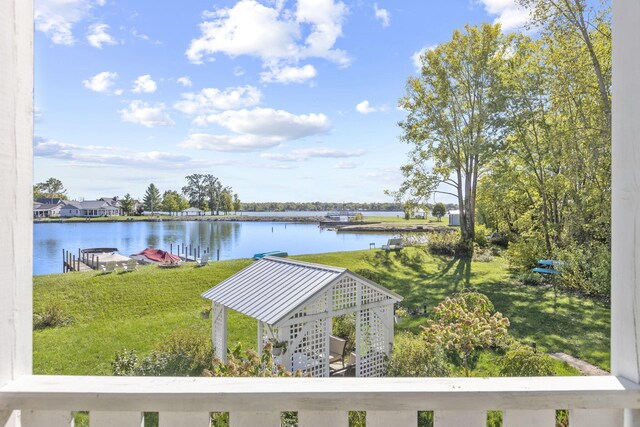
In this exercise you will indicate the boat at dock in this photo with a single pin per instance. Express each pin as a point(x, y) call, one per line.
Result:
point(91, 259)
point(343, 216)
point(156, 256)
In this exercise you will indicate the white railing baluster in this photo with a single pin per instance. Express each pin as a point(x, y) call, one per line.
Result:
point(184, 419)
point(596, 417)
point(250, 419)
point(529, 418)
point(392, 418)
point(323, 418)
point(460, 418)
point(115, 419)
point(46, 418)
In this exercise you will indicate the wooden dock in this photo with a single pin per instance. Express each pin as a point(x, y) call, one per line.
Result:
point(72, 263)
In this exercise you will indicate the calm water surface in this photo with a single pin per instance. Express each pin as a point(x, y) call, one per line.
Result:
point(234, 239)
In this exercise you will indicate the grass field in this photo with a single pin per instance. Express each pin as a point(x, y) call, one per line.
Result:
point(139, 309)
point(444, 221)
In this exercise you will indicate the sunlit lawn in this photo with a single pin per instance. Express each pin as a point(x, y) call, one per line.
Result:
point(139, 309)
point(444, 221)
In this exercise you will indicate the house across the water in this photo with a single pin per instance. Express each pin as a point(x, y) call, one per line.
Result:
point(73, 208)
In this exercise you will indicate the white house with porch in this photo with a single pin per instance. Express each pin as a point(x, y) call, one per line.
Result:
point(294, 302)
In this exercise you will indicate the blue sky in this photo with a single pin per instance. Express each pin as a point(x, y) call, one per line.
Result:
point(282, 100)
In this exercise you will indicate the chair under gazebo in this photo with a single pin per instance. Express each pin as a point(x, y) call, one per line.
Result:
point(294, 303)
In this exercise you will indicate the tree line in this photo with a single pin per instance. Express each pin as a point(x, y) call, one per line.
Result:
point(202, 191)
point(518, 129)
point(320, 206)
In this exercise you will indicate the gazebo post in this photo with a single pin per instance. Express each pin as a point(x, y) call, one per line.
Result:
point(219, 330)
point(260, 341)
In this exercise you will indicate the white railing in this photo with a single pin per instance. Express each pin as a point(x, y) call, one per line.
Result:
point(49, 401)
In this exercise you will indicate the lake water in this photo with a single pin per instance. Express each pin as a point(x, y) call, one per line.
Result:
point(319, 213)
point(234, 239)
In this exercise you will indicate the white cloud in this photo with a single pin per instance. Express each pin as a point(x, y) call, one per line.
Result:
point(142, 36)
point(416, 57)
point(382, 15)
point(307, 153)
point(98, 36)
point(267, 122)
point(56, 18)
point(346, 164)
point(114, 156)
point(229, 143)
point(238, 71)
point(101, 82)
point(146, 115)
point(257, 129)
point(273, 34)
point(211, 100)
point(144, 84)
point(288, 75)
point(365, 108)
point(509, 15)
point(185, 81)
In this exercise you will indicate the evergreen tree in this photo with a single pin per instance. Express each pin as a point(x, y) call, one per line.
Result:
point(127, 204)
point(152, 199)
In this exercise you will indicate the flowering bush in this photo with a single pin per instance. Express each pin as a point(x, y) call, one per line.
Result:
point(465, 324)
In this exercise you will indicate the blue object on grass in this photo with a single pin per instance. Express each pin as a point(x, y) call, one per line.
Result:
point(281, 254)
point(550, 262)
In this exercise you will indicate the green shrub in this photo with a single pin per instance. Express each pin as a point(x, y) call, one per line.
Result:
point(443, 243)
point(523, 361)
point(414, 357)
point(532, 279)
point(483, 255)
point(124, 363)
point(465, 324)
point(525, 253)
point(52, 315)
point(586, 269)
point(186, 352)
point(482, 236)
point(358, 217)
point(345, 327)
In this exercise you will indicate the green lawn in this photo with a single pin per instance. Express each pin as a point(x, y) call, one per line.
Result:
point(138, 309)
point(444, 221)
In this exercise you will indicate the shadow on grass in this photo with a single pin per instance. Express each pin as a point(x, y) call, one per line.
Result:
point(555, 321)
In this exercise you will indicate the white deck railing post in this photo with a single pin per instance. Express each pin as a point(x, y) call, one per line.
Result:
point(625, 286)
point(16, 207)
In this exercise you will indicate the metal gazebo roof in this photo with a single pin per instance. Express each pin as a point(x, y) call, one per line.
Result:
point(272, 288)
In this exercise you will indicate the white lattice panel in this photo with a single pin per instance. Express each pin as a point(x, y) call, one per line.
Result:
point(308, 349)
point(371, 345)
point(219, 330)
point(371, 295)
point(344, 294)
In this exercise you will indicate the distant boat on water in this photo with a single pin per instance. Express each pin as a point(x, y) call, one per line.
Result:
point(341, 215)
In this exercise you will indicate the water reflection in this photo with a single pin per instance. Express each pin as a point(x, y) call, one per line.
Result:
point(232, 239)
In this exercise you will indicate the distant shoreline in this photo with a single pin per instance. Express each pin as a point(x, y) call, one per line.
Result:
point(341, 227)
point(234, 218)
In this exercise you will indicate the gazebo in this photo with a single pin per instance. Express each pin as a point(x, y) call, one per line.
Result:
point(295, 301)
